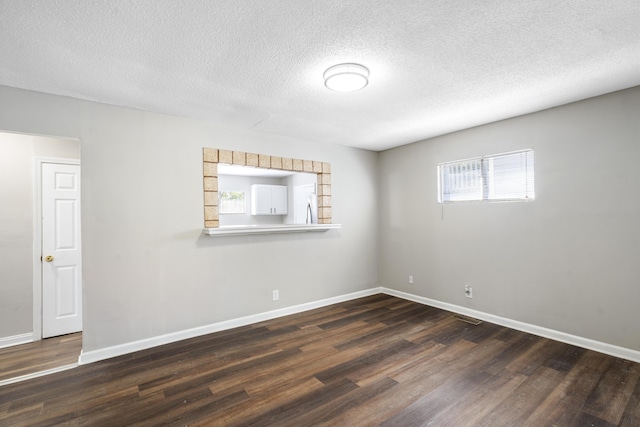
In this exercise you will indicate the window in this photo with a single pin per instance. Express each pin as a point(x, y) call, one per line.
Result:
point(507, 176)
point(232, 202)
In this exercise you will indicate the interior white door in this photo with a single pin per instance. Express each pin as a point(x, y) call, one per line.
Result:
point(61, 252)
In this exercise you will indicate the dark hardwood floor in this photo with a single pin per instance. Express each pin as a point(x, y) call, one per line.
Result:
point(373, 361)
point(41, 355)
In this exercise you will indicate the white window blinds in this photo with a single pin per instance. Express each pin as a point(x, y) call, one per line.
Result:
point(461, 180)
point(508, 176)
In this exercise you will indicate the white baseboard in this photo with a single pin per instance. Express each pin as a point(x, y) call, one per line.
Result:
point(121, 349)
point(16, 340)
point(612, 350)
point(37, 374)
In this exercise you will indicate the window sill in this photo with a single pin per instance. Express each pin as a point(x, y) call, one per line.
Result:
point(240, 230)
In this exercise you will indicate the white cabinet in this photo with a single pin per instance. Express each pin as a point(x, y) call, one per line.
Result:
point(268, 199)
point(279, 199)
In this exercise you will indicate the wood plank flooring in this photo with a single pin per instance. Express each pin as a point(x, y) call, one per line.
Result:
point(40, 355)
point(376, 361)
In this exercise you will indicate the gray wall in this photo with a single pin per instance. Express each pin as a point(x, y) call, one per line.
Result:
point(148, 269)
point(568, 261)
point(17, 167)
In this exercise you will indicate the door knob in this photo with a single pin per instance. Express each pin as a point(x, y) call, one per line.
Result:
point(48, 258)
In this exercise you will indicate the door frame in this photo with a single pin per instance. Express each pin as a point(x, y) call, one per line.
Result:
point(37, 238)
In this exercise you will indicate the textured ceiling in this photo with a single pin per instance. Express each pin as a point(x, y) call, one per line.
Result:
point(436, 66)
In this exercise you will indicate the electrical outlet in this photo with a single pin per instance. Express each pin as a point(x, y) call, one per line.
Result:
point(411, 280)
point(468, 291)
point(276, 295)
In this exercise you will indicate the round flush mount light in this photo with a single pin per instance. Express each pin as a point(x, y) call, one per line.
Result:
point(346, 77)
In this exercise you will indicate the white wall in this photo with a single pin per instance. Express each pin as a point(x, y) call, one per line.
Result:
point(17, 153)
point(568, 261)
point(244, 183)
point(148, 269)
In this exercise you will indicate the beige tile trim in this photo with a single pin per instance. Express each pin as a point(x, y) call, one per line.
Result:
point(212, 156)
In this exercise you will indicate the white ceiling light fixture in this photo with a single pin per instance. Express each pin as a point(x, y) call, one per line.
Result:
point(346, 77)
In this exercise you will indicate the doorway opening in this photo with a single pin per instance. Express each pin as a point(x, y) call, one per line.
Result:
point(25, 233)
